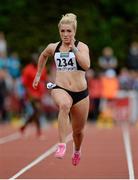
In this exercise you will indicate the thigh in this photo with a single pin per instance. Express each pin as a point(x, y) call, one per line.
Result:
point(60, 97)
point(79, 113)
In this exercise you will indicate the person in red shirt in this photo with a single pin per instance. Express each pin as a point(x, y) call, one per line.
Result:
point(33, 96)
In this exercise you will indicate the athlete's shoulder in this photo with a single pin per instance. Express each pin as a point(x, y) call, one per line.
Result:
point(52, 45)
point(82, 45)
point(50, 49)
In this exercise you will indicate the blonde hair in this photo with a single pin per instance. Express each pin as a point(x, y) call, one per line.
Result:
point(69, 18)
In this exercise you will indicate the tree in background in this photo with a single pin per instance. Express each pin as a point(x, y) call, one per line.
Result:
point(30, 24)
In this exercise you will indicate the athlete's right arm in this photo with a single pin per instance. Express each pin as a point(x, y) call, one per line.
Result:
point(47, 52)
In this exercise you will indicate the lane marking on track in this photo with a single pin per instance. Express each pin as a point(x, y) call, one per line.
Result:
point(127, 144)
point(9, 138)
point(15, 136)
point(39, 159)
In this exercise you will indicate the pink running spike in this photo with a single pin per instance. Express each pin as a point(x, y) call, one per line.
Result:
point(61, 149)
point(76, 158)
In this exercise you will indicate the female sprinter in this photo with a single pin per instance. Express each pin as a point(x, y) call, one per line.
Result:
point(69, 91)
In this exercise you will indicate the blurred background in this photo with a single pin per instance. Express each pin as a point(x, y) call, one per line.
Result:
point(109, 28)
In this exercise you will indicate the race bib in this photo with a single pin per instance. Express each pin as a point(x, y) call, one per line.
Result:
point(65, 61)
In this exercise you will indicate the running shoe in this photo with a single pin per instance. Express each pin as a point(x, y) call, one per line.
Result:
point(76, 158)
point(61, 149)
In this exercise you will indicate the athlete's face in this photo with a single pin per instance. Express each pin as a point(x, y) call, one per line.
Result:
point(67, 33)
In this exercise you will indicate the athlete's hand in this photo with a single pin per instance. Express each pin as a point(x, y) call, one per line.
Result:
point(36, 81)
point(72, 45)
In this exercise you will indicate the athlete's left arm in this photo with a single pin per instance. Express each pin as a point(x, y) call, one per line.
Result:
point(82, 55)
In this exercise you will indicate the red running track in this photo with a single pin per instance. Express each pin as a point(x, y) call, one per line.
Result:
point(103, 155)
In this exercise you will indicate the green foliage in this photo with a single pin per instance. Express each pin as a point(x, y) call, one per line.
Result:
point(30, 25)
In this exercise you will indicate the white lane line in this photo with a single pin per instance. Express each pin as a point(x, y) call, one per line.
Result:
point(127, 143)
point(39, 159)
point(9, 138)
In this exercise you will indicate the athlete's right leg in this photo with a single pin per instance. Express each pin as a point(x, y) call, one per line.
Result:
point(64, 103)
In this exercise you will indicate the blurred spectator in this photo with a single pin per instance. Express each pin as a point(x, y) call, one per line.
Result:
point(3, 61)
point(125, 80)
point(3, 45)
point(3, 94)
point(110, 84)
point(134, 75)
point(107, 60)
point(34, 96)
point(6, 88)
point(132, 59)
point(13, 65)
point(95, 89)
point(49, 104)
point(110, 87)
point(18, 94)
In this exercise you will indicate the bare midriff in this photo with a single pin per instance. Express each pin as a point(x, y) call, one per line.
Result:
point(72, 80)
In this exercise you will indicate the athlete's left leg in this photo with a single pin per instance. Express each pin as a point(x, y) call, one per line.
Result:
point(79, 115)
